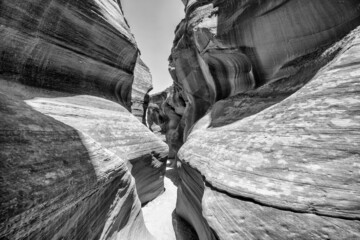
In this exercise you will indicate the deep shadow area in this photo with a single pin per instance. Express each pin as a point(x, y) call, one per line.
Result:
point(183, 230)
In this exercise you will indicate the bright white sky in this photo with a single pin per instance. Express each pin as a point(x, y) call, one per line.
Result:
point(153, 23)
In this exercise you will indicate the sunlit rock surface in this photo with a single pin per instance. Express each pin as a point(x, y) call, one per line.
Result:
point(116, 130)
point(58, 179)
point(291, 169)
point(72, 165)
point(140, 88)
point(260, 52)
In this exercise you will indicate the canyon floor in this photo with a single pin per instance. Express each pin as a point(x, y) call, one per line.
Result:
point(158, 214)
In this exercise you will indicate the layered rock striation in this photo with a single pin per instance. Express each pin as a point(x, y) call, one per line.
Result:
point(75, 164)
point(223, 48)
point(289, 175)
point(69, 46)
point(290, 171)
point(57, 181)
point(140, 88)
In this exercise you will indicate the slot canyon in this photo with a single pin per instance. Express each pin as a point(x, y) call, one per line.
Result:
point(258, 137)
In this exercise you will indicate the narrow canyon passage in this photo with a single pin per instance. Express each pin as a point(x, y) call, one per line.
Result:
point(158, 213)
point(262, 122)
point(160, 217)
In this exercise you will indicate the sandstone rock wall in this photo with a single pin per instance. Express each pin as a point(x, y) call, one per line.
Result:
point(72, 165)
point(230, 61)
point(140, 88)
point(58, 179)
point(290, 171)
point(223, 48)
point(165, 110)
point(71, 46)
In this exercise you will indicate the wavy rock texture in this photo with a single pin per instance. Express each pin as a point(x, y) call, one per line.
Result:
point(66, 158)
point(140, 88)
point(260, 52)
point(57, 180)
point(223, 48)
point(117, 131)
point(82, 47)
point(291, 169)
point(75, 167)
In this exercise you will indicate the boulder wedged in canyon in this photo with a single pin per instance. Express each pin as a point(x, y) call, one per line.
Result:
point(74, 165)
point(233, 59)
point(291, 168)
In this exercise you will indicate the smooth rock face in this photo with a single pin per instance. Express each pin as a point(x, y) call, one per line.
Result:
point(81, 47)
point(73, 166)
point(234, 59)
point(292, 170)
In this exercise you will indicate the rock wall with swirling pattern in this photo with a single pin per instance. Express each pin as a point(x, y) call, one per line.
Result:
point(263, 51)
point(71, 46)
point(290, 169)
point(72, 165)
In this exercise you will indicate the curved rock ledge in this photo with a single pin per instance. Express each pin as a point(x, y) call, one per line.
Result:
point(58, 182)
point(115, 129)
point(233, 59)
point(223, 48)
point(291, 170)
point(66, 157)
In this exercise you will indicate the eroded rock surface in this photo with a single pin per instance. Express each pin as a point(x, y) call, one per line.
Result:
point(70, 46)
point(73, 166)
point(117, 131)
point(58, 180)
point(223, 48)
point(232, 60)
point(140, 88)
point(165, 113)
point(291, 170)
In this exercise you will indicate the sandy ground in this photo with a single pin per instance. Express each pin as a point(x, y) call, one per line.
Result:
point(158, 213)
